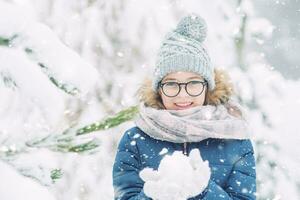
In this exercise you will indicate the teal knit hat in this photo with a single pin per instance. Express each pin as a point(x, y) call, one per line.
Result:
point(183, 50)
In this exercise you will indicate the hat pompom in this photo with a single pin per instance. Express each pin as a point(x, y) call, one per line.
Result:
point(192, 26)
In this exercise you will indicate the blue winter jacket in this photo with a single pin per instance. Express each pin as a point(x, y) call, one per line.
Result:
point(232, 164)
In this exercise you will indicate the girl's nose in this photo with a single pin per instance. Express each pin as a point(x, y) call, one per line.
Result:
point(183, 92)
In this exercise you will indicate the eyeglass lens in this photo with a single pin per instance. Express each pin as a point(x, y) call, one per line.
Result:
point(193, 88)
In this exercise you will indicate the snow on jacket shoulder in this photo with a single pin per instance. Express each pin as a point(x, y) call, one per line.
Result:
point(231, 161)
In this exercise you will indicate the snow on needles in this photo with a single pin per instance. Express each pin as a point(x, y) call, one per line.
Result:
point(27, 189)
point(35, 64)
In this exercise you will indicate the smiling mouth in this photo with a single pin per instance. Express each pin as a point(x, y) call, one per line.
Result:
point(183, 105)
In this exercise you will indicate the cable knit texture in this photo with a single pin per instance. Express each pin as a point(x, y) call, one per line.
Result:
point(183, 50)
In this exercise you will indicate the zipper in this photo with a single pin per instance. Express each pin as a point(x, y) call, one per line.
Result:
point(185, 148)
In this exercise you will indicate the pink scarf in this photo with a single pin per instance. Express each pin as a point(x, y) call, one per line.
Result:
point(193, 124)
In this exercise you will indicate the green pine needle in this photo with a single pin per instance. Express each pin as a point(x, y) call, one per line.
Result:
point(4, 41)
point(67, 142)
point(79, 148)
point(65, 87)
point(109, 122)
point(7, 41)
point(56, 174)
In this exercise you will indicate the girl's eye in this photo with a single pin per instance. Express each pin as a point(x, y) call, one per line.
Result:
point(195, 82)
point(171, 83)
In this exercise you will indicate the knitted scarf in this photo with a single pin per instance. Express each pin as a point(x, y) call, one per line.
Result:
point(193, 124)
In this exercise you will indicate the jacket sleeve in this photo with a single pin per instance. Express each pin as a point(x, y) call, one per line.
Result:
point(126, 181)
point(241, 183)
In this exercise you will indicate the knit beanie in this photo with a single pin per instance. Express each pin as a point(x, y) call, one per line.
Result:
point(182, 49)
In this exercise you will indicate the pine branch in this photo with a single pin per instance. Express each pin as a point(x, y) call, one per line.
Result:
point(72, 141)
point(65, 143)
point(122, 116)
point(79, 148)
point(69, 89)
point(63, 86)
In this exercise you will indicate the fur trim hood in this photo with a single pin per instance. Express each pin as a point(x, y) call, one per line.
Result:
point(220, 95)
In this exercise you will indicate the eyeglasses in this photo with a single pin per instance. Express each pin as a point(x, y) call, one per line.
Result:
point(193, 88)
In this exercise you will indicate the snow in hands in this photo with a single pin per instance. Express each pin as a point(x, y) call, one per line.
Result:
point(178, 177)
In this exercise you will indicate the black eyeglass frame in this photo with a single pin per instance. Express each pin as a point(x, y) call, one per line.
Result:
point(204, 83)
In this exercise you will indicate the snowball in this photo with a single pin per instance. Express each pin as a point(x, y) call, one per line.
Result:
point(178, 177)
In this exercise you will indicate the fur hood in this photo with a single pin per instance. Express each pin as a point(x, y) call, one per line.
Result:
point(220, 95)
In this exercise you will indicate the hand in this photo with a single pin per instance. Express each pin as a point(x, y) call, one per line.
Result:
point(178, 177)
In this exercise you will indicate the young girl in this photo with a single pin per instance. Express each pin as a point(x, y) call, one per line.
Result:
point(187, 105)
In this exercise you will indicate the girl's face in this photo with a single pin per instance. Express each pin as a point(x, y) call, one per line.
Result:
point(183, 100)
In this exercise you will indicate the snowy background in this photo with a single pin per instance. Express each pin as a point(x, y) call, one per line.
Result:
point(65, 64)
